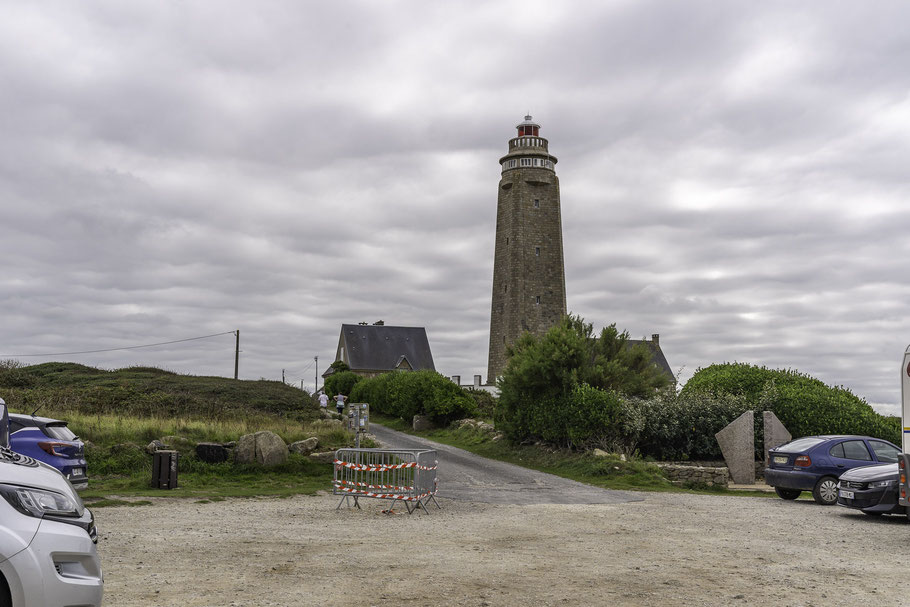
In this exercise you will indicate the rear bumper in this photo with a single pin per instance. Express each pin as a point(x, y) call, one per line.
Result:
point(790, 479)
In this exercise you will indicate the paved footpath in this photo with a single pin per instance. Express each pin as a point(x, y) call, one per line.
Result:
point(469, 477)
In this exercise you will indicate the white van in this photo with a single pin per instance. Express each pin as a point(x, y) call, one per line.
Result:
point(47, 536)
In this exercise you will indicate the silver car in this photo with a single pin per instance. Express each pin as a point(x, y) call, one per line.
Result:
point(48, 556)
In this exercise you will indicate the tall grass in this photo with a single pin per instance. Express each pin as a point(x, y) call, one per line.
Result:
point(108, 429)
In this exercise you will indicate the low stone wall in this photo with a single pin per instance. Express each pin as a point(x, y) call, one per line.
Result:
point(697, 475)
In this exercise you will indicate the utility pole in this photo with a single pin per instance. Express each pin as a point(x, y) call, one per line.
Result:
point(237, 354)
point(316, 385)
point(301, 384)
point(282, 377)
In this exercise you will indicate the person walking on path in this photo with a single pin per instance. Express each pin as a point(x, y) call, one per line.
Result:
point(339, 402)
point(323, 400)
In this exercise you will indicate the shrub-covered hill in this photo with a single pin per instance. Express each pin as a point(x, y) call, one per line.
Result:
point(805, 405)
point(145, 391)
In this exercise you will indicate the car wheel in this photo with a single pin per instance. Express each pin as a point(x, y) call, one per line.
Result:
point(6, 600)
point(787, 494)
point(825, 492)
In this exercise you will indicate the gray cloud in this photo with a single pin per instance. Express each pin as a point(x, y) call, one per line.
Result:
point(732, 177)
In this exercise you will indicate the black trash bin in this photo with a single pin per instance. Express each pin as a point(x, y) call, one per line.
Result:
point(164, 469)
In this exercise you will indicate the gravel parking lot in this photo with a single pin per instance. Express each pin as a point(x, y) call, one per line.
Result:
point(667, 549)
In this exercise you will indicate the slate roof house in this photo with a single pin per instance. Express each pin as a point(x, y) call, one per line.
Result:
point(657, 355)
point(373, 349)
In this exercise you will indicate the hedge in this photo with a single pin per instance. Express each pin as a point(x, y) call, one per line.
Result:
point(805, 405)
point(405, 394)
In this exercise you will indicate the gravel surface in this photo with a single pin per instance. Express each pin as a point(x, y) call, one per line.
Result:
point(666, 549)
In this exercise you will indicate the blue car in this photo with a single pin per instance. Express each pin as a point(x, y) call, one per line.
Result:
point(49, 441)
point(815, 463)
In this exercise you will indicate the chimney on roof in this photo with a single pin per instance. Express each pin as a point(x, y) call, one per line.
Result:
point(456, 379)
point(476, 381)
point(655, 337)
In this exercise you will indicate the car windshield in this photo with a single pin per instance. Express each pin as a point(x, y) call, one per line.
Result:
point(59, 431)
point(801, 444)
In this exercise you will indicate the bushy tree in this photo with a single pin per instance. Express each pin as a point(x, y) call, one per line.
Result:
point(405, 394)
point(543, 375)
point(341, 383)
point(339, 366)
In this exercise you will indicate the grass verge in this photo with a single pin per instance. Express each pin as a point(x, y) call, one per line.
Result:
point(119, 467)
point(609, 472)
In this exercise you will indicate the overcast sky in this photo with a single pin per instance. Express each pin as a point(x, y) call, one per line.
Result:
point(734, 176)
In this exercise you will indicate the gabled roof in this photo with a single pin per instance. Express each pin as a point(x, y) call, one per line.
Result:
point(382, 348)
point(657, 355)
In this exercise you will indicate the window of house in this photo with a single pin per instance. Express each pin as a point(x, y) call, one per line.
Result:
point(537, 203)
point(537, 251)
point(537, 299)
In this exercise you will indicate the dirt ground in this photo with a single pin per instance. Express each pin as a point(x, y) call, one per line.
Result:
point(668, 549)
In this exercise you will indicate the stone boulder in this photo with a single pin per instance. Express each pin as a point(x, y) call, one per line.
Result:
point(304, 447)
point(266, 448)
point(155, 445)
point(737, 444)
point(212, 453)
point(326, 457)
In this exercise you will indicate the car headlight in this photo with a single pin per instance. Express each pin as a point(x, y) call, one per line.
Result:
point(879, 484)
point(40, 502)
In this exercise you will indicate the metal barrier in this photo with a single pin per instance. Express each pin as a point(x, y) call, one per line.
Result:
point(398, 475)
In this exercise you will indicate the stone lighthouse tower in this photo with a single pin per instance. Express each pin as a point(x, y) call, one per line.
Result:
point(529, 279)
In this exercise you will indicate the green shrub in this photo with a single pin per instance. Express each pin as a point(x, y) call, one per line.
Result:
point(405, 394)
point(341, 383)
point(805, 405)
point(14, 375)
point(484, 402)
point(671, 426)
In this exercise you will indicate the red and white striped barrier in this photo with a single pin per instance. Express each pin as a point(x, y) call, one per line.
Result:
point(405, 475)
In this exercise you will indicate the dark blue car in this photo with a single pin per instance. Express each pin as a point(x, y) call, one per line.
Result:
point(50, 441)
point(815, 463)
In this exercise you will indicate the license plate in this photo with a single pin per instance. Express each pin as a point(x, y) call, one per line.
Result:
point(780, 459)
point(847, 495)
point(76, 472)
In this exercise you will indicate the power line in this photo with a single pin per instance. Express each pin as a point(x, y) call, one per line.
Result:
point(163, 343)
